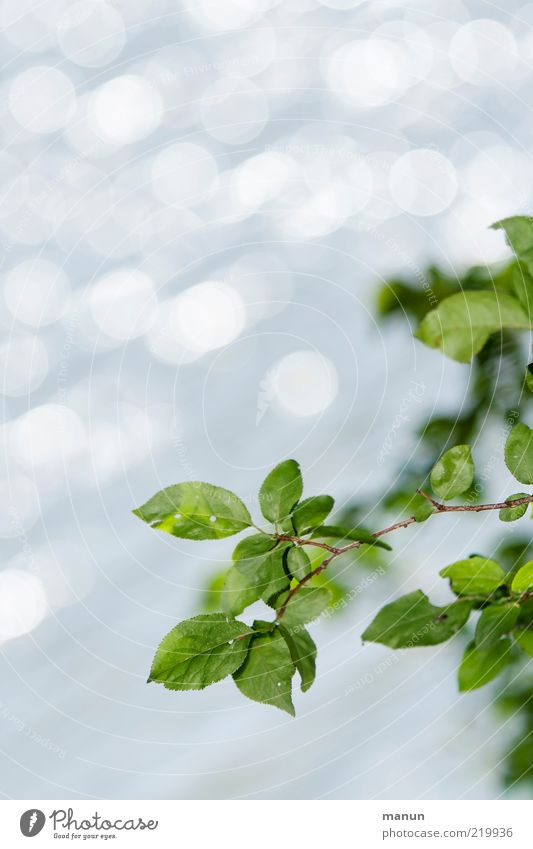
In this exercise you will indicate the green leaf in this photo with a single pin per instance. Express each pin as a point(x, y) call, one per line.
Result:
point(303, 653)
point(495, 621)
point(280, 491)
point(258, 572)
point(196, 510)
point(253, 546)
point(413, 621)
point(338, 591)
point(344, 534)
point(266, 674)
point(286, 526)
point(519, 453)
point(461, 324)
point(312, 512)
point(200, 651)
point(524, 639)
point(211, 600)
point(264, 572)
point(518, 231)
point(523, 287)
point(511, 514)
point(238, 592)
point(481, 664)
point(474, 576)
point(453, 473)
point(298, 562)
point(529, 377)
point(305, 605)
point(523, 579)
point(419, 507)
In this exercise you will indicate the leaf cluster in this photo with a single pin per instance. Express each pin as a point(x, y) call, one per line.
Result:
point(271, 565)
point(479, 583)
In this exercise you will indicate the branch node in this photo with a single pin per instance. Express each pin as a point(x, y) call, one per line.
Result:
point(436, 504)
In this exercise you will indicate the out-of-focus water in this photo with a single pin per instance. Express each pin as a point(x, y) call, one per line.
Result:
point(198, 205)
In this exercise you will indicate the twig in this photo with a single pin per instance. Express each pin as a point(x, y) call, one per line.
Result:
point(324, 565)
point(300, 541)
point(475, 508)
point(335, 551)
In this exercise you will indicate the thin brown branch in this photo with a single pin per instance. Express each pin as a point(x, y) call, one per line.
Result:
point(324, 565)
point(335, 551)
point(300, 541)
point(476, 508)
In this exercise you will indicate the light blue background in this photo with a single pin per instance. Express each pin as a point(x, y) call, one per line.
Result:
point(332, 144)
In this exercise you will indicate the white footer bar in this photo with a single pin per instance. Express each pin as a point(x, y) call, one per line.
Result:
point(267, 824)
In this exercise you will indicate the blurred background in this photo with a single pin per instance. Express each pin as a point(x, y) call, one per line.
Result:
point(201, 208)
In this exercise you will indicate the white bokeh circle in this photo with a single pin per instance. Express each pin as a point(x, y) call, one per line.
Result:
point(91, 33)
point(368, 73)
point(203, 318)
point(42, 99)
point(423, 182)
point(483, 52)
point(23, 603)
point(231, 15)
point(261, 178)
point(123, 303)
point(25, 24)
point(125, 110)
point(50, 434)
point(304, 383)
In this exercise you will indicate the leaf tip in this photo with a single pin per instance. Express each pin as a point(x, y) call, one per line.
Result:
point(288, 708)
